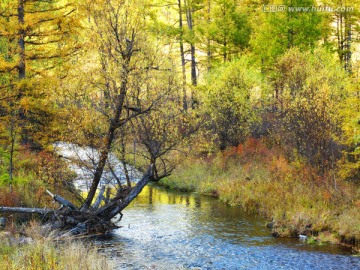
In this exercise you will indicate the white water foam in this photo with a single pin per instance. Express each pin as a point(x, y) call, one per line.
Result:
point(83, 161)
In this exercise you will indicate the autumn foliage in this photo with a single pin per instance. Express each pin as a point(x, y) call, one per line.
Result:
point(273, 98)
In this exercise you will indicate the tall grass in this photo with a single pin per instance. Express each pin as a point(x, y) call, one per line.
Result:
point(48, 255)
point(291, 194)
point(44, 253)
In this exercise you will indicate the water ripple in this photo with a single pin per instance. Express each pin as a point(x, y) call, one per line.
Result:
point(167, 230)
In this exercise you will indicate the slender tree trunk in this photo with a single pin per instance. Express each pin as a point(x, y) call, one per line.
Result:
point(21, 41)
point(225, 50)
point(123, 154)
point(106, 91)
point(340, 37)
point(348, 28)
point(193, 65)
point(344, 39)
point(12, 151)
point(126, 172)
point(192, 49)
point(224, 40)
point(290, 32)
point(208, 53)
point(113, 126)
point(190, 23)
point(22, 69)
point(182, 55)
point(99, 168)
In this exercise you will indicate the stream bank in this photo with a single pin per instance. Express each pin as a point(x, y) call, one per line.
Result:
point(294, 200)
point(164, 229)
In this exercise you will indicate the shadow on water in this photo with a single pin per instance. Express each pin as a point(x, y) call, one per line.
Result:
point(171, 230)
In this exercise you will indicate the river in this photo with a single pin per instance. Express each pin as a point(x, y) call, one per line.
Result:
point(164, 229)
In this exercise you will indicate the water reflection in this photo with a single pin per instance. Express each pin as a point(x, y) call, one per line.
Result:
point(171, 230)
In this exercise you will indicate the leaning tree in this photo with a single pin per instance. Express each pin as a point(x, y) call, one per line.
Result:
point(123, 81)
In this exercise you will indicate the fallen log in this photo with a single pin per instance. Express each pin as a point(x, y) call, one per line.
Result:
point(91, 220)
point(61, 200)
point(41, 211)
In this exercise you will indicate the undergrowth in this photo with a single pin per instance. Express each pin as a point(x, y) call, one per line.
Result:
point(292, 194)
point(39, 252)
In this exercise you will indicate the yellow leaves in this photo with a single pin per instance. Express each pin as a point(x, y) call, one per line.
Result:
point(25, 104)
point(6, 66)
point(310, 89)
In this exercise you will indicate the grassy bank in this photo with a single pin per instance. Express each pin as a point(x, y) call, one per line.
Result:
point(33, 252)
point(293, 196)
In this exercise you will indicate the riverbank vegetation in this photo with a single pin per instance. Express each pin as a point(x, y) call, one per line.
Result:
point(43, 254)
point(30, 248)
point(292, 195)
point(261, 109)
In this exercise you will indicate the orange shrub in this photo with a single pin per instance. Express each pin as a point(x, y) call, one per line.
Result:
point(9, 198)
point(279, 167)
point(252, 149)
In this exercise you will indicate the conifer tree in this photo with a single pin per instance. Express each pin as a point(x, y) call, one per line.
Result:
point(284, 29)
point(346, 26)
point(36, 39)
point(226, 29)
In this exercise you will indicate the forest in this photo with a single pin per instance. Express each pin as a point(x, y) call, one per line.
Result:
point(254, 102)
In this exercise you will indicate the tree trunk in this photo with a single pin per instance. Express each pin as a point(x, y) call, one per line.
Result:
point(348, 28)
point(25, 140)
point(208, 53)
point(113, 126)
point(99, 198)
point(182, 55)
point(123, 155)
point(41, 211)
point(12, 150)
point(21, 41)
point(114, 208)
point(193, 65)
point(190, 23)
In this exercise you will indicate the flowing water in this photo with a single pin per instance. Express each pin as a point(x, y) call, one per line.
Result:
point(170, 230)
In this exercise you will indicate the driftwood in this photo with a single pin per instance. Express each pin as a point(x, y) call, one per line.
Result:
point(100, 198)
point(61, 200)
point(93, 220)
point(41, 211)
